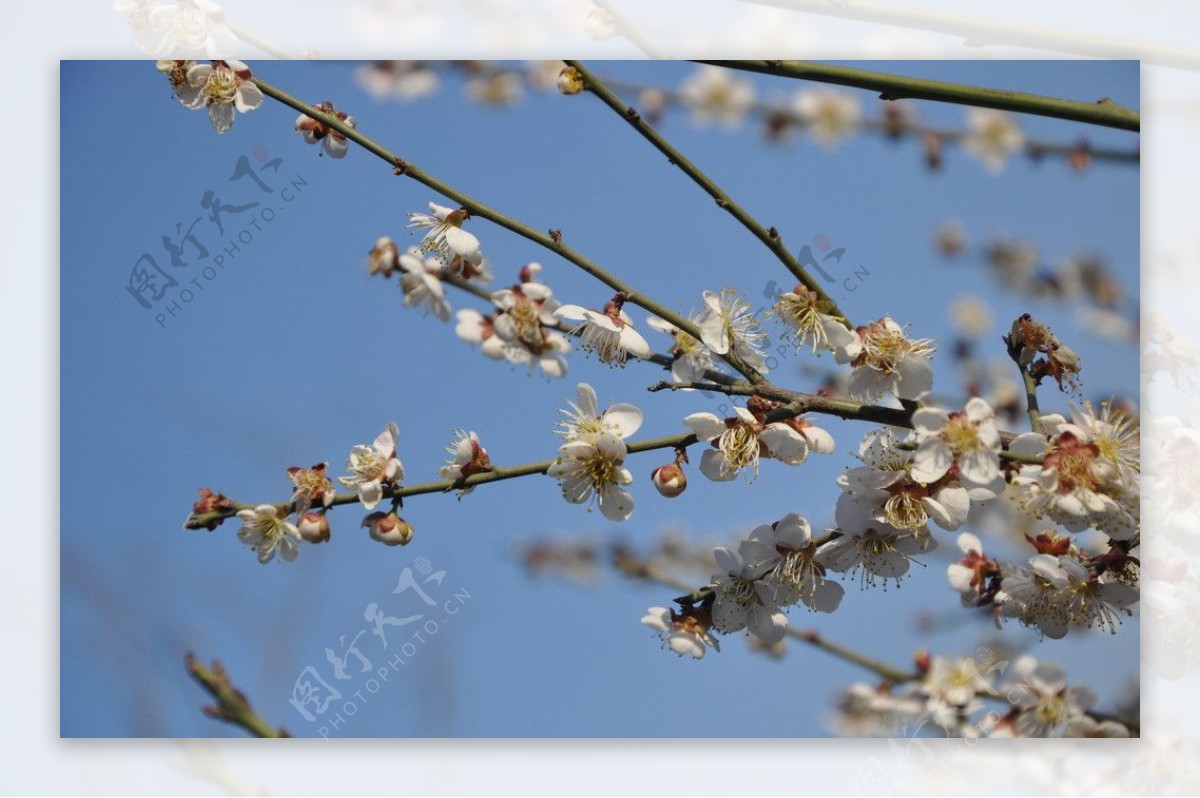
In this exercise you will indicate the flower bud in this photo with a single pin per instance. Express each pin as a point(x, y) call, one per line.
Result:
point(669, 480)
point(570, 81)
point(388, 528)
point(314, 527)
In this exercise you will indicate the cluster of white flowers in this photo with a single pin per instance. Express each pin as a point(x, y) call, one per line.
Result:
point(1089, 474)
point(521, 330)
point(220, 87)
point(885, 360)
point(738, 443)
point(775, 567)
point(268, 529)
point(608, 332)
point(591, 460)
point(951, 694)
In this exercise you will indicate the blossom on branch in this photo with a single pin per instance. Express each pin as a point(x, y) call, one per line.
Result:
point(374, 466)
point(222, 87)
point(886, 361)
point(333, 141)
point(728, 324)
point(266, 531)
point(444, 238)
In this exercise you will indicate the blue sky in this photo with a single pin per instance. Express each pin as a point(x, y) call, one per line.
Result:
point(291, 353)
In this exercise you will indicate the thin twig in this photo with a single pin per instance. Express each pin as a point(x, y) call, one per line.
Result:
point(552, 241)
point(770, 237)
point(1102, 112)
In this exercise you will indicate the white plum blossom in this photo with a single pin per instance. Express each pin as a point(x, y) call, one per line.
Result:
point(189, 28)
point(884, 490)
point(1057, 591)
point(476, 328)
point(222, 87)
point(992, 136)
point(334, 142)
point(968, 439)
point(971, 576)
point(715, 93)
point(467, 457)
point(691, 358)
point(521, 331)
point(1077, 485)
point(787, 551)
point(1046, 705)
point(744, 600)
point(728, 324)
point(831, 115)
point(876, 552)
point(594, 466)
point(266, 532)
point(445, 238)
point(384, 257)
point(311, 486)
point(176, 72)
point(374, 466)
point(683, 633)
point(803, 311)
point(421, 285)
point(886, 360)
point(738, 442)
point(609, 333)
point(583, 418)
point(1036, 595)
point(950, 688)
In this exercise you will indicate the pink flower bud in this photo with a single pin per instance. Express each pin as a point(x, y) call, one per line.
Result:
point(669, 480)
point(314, 527)
point(388, 528)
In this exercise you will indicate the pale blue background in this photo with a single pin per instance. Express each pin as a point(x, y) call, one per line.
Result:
point(293, 353)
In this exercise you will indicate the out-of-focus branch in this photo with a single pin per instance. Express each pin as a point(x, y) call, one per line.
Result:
point(1102, 112)
point(232, 705)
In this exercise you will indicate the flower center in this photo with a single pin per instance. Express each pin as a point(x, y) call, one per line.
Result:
point(601, 470)
point(221, 86)
point(740, 446)
point(369, 464)
point(905, 511)
point(961, 435)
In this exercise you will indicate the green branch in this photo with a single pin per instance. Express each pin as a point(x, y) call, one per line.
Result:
point(1103, 112)
point(768, 236)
